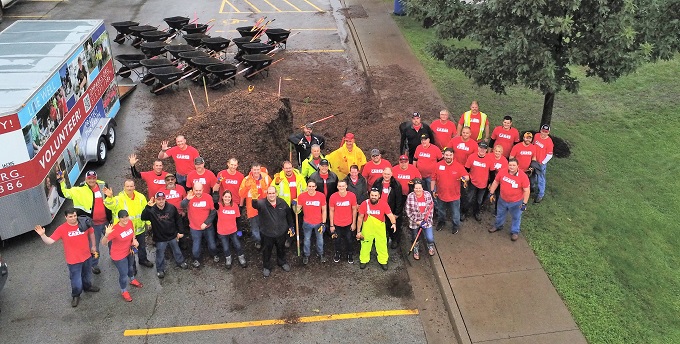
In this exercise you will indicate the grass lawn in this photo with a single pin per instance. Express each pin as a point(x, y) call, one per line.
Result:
point(604, 233)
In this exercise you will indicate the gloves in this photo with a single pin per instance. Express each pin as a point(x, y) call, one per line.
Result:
point(465, 183)
point(291, 231)
point(95, 255)
point(321, 228)
point(523, 207)
point(220, 179)
point(60, 176)
point(239, 234)
point(423, 223)
point(334, 236)
point(277, 179)
point(492, 198)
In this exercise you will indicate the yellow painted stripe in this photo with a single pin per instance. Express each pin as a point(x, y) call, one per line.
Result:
point(318, 51)
point(291, 5)
point(317, 9)
point(257, 10)
point(272, 5)
point(256, 323)
point(231, 5)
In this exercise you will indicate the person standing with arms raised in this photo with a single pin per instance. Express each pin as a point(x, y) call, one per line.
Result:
point(183, 155)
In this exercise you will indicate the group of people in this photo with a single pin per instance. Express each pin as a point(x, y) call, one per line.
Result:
point(342, 196)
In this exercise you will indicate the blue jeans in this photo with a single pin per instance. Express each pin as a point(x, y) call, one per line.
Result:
point(234, 240)
point(255, 228)
point(126, 268)
point(182, 180)
point(427, 233)
point(455, 211)
point(197, 236)
point(509, 207)
point(160, 253)
point(426, 183)
point(309, 229)
point(540, 175)
point(81, 276)
point(98, 233)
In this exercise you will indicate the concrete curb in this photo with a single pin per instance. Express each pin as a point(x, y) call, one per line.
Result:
point(455, 317)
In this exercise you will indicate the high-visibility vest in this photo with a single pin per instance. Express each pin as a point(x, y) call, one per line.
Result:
point(482, 124)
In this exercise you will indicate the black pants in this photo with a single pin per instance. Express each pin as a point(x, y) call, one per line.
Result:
point(343, 243)
point(475, 198)
point(388, 229)
point(268, 244)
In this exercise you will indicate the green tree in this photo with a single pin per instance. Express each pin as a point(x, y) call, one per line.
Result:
point(536, 43)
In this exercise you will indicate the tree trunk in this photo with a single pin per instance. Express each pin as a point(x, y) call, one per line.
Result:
point(548, 103)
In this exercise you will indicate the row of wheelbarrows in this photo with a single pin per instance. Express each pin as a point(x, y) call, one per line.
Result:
point(201, 59)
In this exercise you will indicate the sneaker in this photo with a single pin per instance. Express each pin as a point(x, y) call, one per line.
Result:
point(227, 262)
point(538, 199)
point(258, 245)
point(96, 270)
point(242, 261)
point(136, 283)
point(287, 243)
point(126, 296)
point(216, 259)
point(478, 217)
point(350, 259)
point(266, 272)
point(305, 260)
point(336, 257)
point(430, 250)
point(362, 265)
point(440, 225)
point(493, 230)
point(285, 267)
point(75, 301)
point(383, 266)
point(196, 263)
point(416, 254)
point(160, 274)
point(146, 263)
point(322, 259)
point(454, 230)
point(92, 289)
point(463, 217)
point(514, 237)
point(184, 265)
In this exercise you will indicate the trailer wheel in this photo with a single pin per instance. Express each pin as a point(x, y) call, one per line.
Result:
point(111, 137)
point(102, 151)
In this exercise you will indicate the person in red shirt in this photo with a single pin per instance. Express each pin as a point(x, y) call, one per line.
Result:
point(201, 214)
point(479, 165)
point(505, 135)
point(515, 190)
point(313, 206)
point(498, 163)
point(544, 153)
point(374, 168)
point(155, 179)
point(183, 155)
point(463, 146)
point(405, 173)
point(173, 194)
point(446, 185)
point(122, 238)
point(202, 175)
point(79, 246)
point(477, 121)
point(230, 179)
point(343, 212)
point(426, 159)
point(524, 152)
point(371, 226)
point(227, 230)
point(443, 129)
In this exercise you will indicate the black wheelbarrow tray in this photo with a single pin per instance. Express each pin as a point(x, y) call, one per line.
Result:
point(155, 35)
point(215, 44)
point(153, 49)
point(195, 28)
point(247, 31)
point(194, 39)
point(176, 22)
point(256, 62)
point(222, 72)
point(150, 64)
point(277, 36)
point(130, 62)
point(174, 50)
point(123, 29)
point(165, 76)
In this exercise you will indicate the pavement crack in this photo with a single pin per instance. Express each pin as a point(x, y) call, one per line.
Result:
point(153, 312)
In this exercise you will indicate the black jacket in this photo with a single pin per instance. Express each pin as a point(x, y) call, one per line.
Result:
point(304, 148)
point(360, 189)
point(411, 138)
point(274, 221)
point(331, 183)
point(394, 197)
point(165, 223)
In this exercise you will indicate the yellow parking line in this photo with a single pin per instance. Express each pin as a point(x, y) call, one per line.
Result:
point(231, 5)
point(257, 10)
point(293, 6)
point(310, 319)
point(272, 5)
point(311, 4)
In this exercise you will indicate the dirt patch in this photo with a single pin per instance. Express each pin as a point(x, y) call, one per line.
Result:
point(354, 11)
point(237, 307)
point(400, 286)
point(562, 147)
point(291, 318)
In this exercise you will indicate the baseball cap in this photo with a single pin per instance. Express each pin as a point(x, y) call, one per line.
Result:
point(169, 175)
point(545, 127)
point(160, 194)
point(323, 162)
point(349, 136)
point(416, 115)
point(91, 174)
point(308, 125)
point(483, 145)
point(424, 137)
point(199, 161)
point(375, 152)
point(528, 134)
point(123, 213)
point(375, 189)
point(403, 157)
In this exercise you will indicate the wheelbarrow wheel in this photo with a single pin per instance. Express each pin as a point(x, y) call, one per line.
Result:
point(124, 72)
point(120, 38)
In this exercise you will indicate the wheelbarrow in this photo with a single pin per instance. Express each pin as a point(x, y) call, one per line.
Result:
point(123, 29)
point(150, 64)
point(176, 23)
point(130, 63)
point(215, 44)
point(254, 49)
point(256, 63)
point(155, 35)
point(174, 50)
point(277, 37)
point(166, 77)
point(247, 31)
point(194, 39)
point(222, 73)
point(202, 64)
point(195, 28)
point(137, 32)
point(186, 57)
point(240, 41)
point(153, 49)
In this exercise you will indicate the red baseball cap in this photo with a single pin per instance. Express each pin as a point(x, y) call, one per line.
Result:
point(349, 136)
point(403, 157)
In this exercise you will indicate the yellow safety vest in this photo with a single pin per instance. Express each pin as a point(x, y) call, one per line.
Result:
point(482, 124)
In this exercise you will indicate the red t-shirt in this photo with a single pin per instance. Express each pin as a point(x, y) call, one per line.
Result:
point(523, 154)
point(512, 186)
point(373, 171)
point(99, 210)
point(543, 147)
point(443, 133)
point(121, 240)
point(447, 180)
point(497, 164)
point(506, 138)
point(427, 159)
point(475, 124)
point(421, 204)
point(385, 188)
point(230, 182)
point(379, 211)
point(342, 208)
point(462, 150)
point(184, 159)
point(403, 177)
point(479, 169)
point(154, 182)
point(311, 206)
point(175, 196)
point(208, 179)
point(198, 210)
point(226, 218)
point(76, 243)
point(292, 185)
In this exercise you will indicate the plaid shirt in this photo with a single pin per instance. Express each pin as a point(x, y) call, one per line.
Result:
point(415, 216)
